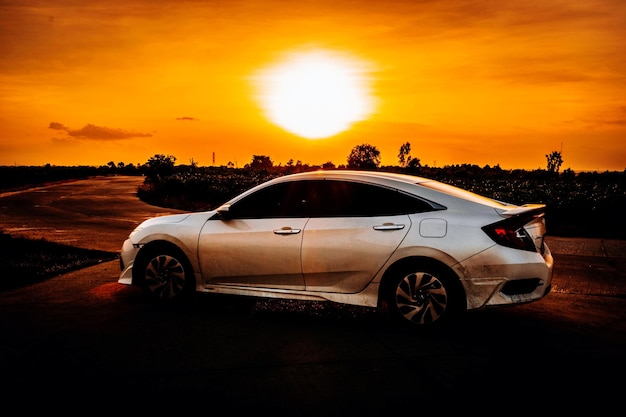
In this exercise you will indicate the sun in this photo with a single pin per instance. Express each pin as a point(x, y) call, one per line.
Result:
point(316, 93)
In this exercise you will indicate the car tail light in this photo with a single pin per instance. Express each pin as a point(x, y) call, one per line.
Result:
point(511, 233)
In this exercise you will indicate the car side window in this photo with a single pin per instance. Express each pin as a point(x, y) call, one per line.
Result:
point(332, 198)
point(326, 198)
point(279, 200)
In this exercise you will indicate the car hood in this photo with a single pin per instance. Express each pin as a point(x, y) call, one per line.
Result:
point(168, 219)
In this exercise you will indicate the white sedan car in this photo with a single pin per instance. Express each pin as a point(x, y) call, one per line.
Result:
point(421, 250)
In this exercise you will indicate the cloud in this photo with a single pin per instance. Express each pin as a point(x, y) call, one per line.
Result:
point(608, 122)
point(187, 118)
point(57, 126)
point(90, 131)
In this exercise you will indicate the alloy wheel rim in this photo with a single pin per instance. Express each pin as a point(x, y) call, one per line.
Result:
point(421, 298)
point(165, 276)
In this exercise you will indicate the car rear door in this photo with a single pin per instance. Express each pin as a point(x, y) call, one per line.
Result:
point(353, 232)
point(343, 254)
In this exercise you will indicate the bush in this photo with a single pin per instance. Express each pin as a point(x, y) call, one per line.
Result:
point(200, 189)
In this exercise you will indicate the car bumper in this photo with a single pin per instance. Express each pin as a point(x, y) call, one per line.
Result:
point(127, 258)
point(502, 276)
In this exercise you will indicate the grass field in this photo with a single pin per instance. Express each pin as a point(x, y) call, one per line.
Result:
point(25, 261)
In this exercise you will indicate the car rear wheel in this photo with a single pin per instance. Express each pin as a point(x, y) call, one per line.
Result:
point(165, 273)
point(424, 296)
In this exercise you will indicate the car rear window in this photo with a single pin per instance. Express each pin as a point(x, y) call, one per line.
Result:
point(461, 193)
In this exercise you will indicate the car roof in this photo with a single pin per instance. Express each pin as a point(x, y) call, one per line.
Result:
point(373, 176)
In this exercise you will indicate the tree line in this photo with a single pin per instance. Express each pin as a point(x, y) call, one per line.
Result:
point(361, 157)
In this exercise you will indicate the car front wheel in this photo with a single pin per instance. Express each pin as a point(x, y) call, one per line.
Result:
point(424, 296)
point(165, 274)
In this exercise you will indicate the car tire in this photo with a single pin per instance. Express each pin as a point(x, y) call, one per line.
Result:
point(164, 273)
point(423, 296)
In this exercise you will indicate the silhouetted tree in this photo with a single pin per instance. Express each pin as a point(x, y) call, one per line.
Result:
point(260, 162)
point(364, 156)
point(554, 161)
point(413, 163)
point(404, 156)
point(160, 166)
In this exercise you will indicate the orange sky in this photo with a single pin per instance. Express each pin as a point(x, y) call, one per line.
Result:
point(482, 82)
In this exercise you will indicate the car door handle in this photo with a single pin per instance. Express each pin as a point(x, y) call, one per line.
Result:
point(389, 226)
point(287, 231)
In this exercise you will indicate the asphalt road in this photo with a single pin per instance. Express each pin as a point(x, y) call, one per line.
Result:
point(82, 343)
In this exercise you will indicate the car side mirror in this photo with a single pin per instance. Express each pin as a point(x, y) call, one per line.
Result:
point(224, 212)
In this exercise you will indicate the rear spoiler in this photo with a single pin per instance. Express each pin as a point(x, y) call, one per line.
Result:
point(527, 210)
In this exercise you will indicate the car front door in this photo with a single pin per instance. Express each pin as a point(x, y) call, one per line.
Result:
point(258, 243)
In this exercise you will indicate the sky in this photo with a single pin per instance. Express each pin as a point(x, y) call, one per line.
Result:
point(464, 82)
